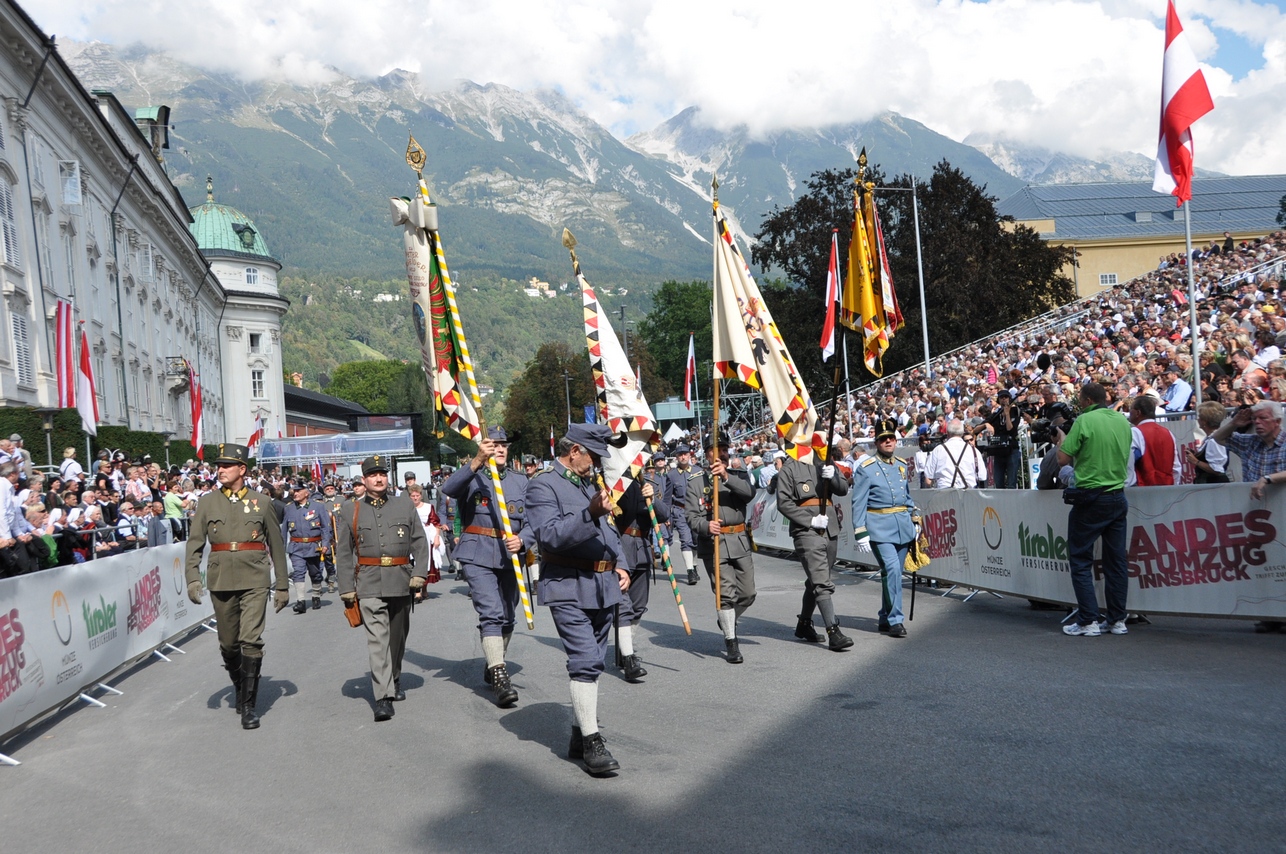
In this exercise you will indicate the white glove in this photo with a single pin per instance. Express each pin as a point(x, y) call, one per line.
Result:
point(819, 522)
point(864, 545)
point(828, 472)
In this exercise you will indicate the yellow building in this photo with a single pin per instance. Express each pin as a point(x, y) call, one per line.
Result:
point(1122, 230)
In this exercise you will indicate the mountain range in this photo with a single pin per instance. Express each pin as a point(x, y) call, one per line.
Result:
point(314, 166)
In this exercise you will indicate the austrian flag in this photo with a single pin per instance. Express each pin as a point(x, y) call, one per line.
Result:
point(1184, 99)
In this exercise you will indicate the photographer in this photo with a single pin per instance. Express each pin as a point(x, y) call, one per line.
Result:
point(1002, 425)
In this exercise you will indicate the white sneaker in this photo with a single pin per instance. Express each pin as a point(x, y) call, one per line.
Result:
point(1117, 628)
point(1076, 629)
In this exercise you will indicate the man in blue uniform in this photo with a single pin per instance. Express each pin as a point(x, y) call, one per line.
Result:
point(814, 527)
point(484, 552)
point(635, 525)
point(885, 520)
point(306, 527)
point(679, 477)
point(582, 575)
point(736, 562)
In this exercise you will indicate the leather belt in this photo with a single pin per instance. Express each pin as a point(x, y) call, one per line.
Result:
point(884, 510)
point(478, 529)
point(578, 562)
point(383, 561)
point(810, 502)
point(633, 531)
point(305, 539)
point(733, 529)
point(249, 546)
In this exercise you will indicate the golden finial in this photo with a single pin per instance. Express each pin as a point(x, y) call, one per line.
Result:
point(209, 190)
point(569, 243)
point(714, 189)
point(415, 157)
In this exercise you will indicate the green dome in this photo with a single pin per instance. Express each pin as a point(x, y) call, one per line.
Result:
point(220, 228)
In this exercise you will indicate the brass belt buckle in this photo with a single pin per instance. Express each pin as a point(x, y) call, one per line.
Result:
point(232, 547)
point(386, 561)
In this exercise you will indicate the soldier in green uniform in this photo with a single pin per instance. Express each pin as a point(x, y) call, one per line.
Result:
point(245, 546)
point(377, 536)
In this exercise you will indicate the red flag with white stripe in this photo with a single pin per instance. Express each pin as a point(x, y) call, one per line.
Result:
point(1184, 99)
point(65, 355)
point(690, 372)
point(551, 441)
point(832, 297)
point(252, 444)
point(198, 441)
point(88, 399)
point(317, 472)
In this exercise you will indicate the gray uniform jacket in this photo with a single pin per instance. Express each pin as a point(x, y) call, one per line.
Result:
point(477, 507)
point(735, 494)
point(311, 520)
point(635, 524)
point(798, 484)
point(558, 515)
point(385, 528)
point(882, 505)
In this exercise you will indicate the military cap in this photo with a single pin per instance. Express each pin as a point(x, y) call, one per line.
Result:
point(708, 443)
point(378, 462)
point(683, 449)
point(884, 428)
point(658, 457)
point(232, 455)
point(408, 476)
point(529, 460)
point(298, 485)
point(498, 434)
point(592, 437)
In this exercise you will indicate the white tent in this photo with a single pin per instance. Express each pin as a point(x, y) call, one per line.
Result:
point(674, 434)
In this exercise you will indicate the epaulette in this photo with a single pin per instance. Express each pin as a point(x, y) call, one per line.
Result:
point(868, 461)
point(695, 475)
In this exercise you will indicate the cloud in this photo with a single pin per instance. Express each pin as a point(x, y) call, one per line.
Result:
point(1071, 75)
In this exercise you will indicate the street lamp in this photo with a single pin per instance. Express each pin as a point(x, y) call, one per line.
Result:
point(166, 434)
point(47, 424)
point(567, 385)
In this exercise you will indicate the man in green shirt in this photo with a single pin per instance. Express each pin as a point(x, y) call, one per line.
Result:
point(1098, 448)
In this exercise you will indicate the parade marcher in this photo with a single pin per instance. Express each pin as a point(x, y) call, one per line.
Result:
point(736, 563)
point(530, 466)
point(804, 493)
point(484, 553)
point(582, 575)
point(377, 536)
point(306, 525)
point(332, 501)
point(885, 520)
point(245, 547)
point(679, 477)
point(446, 507)
point(635, 526)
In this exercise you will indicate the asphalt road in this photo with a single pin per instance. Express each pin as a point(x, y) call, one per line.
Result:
point(986, 729)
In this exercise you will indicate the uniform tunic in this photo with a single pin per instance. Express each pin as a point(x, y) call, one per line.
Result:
point(238, 580)
point(481, 551)
point(635, 526)
point(309, 521)
point(799, 500)
point(385, 528)
point(572, 546)
point(332, 506)
point(678, 481)
point(736, 565)
point(883, 509)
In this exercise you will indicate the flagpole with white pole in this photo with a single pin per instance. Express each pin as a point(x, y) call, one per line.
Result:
point(1192, 306)
point(714, 424)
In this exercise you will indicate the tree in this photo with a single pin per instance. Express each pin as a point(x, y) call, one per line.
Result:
point(366, 383)
point(537, 400)
point(982, 273)
point(678, 310)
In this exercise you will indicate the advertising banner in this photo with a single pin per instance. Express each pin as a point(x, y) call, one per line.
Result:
point(1191, 550)
point(65, 628)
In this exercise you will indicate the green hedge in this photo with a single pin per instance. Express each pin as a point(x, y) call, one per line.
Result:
point(67, 434)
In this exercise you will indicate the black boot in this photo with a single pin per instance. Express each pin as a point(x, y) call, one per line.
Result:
point(383, 710)
point(250, 687)
point(598, 761)
point(633, 668)
point(300, 606)
point(506, 693)
point(837, 639)
point(734, 651)
point(398, 694)
point(804, 631)
point(693, 578)
point(316, 602)
point(232, 663)
point(576, 747)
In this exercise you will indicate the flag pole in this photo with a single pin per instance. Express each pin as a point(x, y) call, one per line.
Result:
point(415, 158)
point(714, 426)
point(1192, 305)
point(825, 489)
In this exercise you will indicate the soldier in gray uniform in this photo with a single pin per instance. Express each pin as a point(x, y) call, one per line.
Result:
point(377, 537)
point(306, 526)
point(679, 527)
point(582, 575)
point(332, 501)
point(885, 520)
point(245, 546)
point(484, 553)
point(815, 531)
point(736, 565)
point(635, 526)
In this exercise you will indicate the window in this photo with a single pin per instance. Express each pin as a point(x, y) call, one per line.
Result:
point(1, 136)
point(145, 263)
point(255, 342)
point(256, 384)
point(22, 351)
point(252, 276)
point(8, 227)
point(1107, 280)
point(69, 175)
